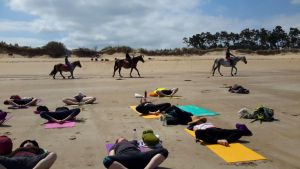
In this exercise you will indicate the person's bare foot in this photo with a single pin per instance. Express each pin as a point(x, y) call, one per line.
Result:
point(223, 142)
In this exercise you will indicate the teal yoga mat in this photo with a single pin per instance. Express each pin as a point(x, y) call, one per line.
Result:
point(197, 111)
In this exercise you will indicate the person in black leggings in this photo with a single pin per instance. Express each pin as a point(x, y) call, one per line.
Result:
point(145, 107)
point(208, 133)
point(59, 116)
point(126, 154)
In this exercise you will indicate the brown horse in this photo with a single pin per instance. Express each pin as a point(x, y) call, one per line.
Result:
point(119, 63)
point(64, 68)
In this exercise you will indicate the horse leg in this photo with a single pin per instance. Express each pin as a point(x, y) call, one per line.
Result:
point(62, 74)
point(115, 69)
point(235, 70)
point(219, 66)
point(120, 72)
point(214, 69)
point(71, 75)
point(54, 75)
point(131, 71)
point(137, 71)
point(231, 70)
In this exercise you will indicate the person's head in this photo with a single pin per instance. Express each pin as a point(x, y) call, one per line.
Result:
point(29, 144)
point(5, 145)
point(6, 102)
point(15, 97)
point(41, 108)
point(121, 139)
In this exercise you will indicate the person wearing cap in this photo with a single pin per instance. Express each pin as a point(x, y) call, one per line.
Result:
point(126, 154)
point(17, 101)
point(28, 156)
point(79, 99)
point(209, 133)
point(60, 115)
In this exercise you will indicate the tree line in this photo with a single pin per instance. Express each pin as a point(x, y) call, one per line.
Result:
point(252, 39)
point(259, 41)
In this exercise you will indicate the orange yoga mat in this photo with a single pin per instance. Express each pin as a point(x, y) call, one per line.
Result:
point(145, 116)
point(235, 152)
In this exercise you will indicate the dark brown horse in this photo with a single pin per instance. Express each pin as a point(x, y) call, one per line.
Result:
point(64, 68)
point(119, 63)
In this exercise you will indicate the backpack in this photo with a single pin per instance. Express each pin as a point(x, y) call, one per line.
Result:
point(263, 114)
point(149, 138)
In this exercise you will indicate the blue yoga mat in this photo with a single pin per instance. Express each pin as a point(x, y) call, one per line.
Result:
point(197, 111)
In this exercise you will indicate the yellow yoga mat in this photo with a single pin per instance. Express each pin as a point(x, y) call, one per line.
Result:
point(235, 152)
point(145, 116)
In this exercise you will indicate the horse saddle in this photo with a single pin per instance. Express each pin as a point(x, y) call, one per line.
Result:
point(65, 66)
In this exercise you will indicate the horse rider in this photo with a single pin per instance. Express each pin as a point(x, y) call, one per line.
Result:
point(128, 58)
point(228, 56)
point(67, 62)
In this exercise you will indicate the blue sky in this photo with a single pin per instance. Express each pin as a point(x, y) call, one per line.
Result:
point(137, 23)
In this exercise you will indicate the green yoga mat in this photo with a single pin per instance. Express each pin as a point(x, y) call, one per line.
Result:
point(197, 111)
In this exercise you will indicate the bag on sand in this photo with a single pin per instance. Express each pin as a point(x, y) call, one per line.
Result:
point(261, 113)
point(149, 138)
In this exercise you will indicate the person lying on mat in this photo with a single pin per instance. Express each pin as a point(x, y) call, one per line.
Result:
point(126, 154)
point(60, 115)
point(162, 92)
point(28, 156)
point(148, 108)
point(79, 99)
point(17, 101)
point(208, 133)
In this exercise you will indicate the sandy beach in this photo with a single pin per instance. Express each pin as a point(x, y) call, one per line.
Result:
point(273, 81)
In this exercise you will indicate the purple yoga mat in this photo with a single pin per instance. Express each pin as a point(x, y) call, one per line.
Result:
point(67, 124)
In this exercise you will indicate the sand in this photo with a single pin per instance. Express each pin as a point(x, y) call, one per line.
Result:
point(273, 81)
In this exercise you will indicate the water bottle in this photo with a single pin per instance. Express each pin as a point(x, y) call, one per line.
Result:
point(164, 119)
point(135, 134)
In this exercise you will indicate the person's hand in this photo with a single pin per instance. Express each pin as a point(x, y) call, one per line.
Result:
point(223, 142)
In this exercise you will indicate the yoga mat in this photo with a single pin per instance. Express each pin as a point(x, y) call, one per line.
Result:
point(67, 124)
point(145, 116)
point(235, 152)
point(197, 111)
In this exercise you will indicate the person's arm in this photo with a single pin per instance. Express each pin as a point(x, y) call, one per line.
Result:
point(111, 152)
point(65, 119)
point(231, 54)
point(11, 102)
point(52, 119)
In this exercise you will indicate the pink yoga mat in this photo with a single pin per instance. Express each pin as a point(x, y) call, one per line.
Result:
point(67, 124)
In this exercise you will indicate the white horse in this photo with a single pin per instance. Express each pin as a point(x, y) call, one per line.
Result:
point(223, 62)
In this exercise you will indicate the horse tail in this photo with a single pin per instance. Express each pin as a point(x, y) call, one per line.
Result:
point(53, 72)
